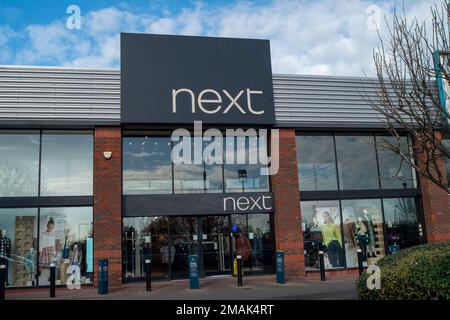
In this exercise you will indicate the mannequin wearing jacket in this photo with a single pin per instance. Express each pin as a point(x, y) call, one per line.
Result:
point(361, 236)
point(243, 247)
point(5, 251)
point(370, 234)
point(332, 240)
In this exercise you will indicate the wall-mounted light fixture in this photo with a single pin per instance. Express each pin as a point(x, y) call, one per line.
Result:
point(107, 155)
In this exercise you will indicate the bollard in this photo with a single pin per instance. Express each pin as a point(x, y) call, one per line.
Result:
point(52, 280)
point(322, 266)
point(194, 282)
point(280, 267)
point(239, 271)
point(103, 274)
point(360, 261)
point(148, 275)
point(3, 276)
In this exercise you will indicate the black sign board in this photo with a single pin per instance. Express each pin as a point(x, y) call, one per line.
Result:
point(180, 79)
point(197, 204)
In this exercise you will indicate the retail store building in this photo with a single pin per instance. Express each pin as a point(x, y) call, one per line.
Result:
point(86, 170)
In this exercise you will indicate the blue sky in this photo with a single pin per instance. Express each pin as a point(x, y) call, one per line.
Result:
point(307, 36)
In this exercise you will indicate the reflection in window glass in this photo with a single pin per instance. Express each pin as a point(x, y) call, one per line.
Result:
point(197, 178)
point(254, 240)
point(67, 163)
point(184, 239)
point(321, 226)
point(65, 239)
point(447, 144)
point(316, 163)
point(145, 238)
point(363, 229)
point(357, 164)
point(18, 245)
point(244, 177)
point(147, 165)
point(261, 238)
point(215, 244)
point(19, 163)
point(402, 228)
point(394, 173)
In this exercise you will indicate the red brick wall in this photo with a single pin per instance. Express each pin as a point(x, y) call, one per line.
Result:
point(436, 208)
point(288, 235)
point(107, 202)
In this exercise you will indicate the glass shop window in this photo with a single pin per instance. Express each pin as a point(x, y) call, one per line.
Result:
point(316, 163)
point(67, 163)
point(19, 163)
point(206, 177)
point(244, 174)
point(403, 229)
point(18, 245)
point(357, 165)
point(147, 165)
point(66, 239)
point(321, 227)
point(394, 173)
point(447, 144)
point(363, 229)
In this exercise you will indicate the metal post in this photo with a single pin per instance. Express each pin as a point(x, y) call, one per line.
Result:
point(148, 274)
point(322, 266)
point(360, 261)
point(280, 267)
point(3, 276)
point(239, 271)
point(52, 280)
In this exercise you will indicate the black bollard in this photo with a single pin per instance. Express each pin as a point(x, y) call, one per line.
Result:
point(148, 274)
point(322, 266)
point(52, 280)
point(239, 271)
point(360, 261)
point(2, 281)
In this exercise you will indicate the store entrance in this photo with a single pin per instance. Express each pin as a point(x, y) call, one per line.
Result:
point(215, 245)
point(215, 239)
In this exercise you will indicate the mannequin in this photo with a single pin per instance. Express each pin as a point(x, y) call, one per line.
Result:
point(5, 251)
point(47, 245)
point(257, 243)
point(332, 240)
point(165, 253)
point(361, 237)
point(76, 255)
point(371, 234)
point(30, 265)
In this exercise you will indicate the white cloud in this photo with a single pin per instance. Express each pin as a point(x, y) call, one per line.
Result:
point(307, 37)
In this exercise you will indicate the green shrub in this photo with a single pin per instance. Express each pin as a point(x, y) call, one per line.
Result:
point(416, 273)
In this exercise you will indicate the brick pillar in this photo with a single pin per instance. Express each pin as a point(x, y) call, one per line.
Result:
point(436, 208)
point(107, 202)
point(288, 234)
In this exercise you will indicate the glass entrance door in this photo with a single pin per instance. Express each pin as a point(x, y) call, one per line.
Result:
point(215, 244)
point(168, 242)
point(184, 242)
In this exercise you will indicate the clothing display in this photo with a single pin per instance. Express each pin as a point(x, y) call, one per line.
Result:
point(47, 245)
point(257, 245)
point(5, 245)
point(30, 262)
point(362, 239)
point(76, 256)
point(5, 252)
point(243, 247)
point(350, 231)
point(371, 235)
point(332, 241)
point(165, 253)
